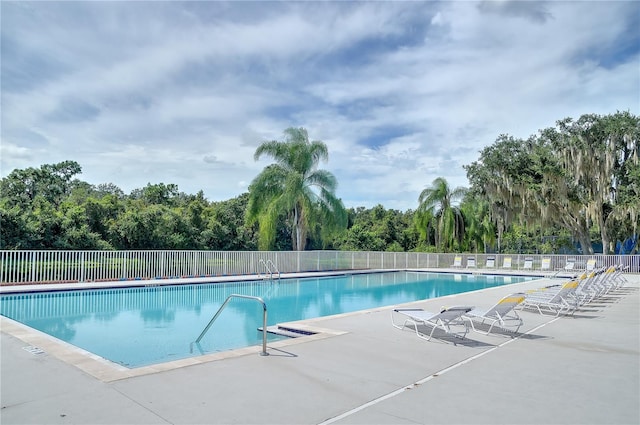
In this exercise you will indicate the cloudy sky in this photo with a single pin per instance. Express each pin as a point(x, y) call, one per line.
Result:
point(401, 92)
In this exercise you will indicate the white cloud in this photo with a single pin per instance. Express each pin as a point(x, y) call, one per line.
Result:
point(401, 92)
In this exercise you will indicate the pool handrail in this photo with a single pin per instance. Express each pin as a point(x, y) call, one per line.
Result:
point(264, 319)
point(270, 268)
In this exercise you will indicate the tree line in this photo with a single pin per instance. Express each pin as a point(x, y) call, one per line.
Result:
point(564, 189)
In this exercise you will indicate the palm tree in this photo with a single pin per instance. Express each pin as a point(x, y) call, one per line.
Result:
point(293, 187)
point(436, 205)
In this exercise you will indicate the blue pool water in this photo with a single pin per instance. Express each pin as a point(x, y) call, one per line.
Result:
point(146, 325)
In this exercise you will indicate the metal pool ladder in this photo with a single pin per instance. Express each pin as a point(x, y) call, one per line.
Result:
point(264, 319)
point(270, 268)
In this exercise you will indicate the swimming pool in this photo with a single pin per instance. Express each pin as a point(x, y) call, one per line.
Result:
point(139, 326)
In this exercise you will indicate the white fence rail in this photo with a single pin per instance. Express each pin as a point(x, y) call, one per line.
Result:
point(27, 267)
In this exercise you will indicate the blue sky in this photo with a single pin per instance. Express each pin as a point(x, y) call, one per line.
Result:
point(401, 92)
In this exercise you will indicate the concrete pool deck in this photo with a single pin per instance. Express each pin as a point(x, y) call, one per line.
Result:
point(580, 369)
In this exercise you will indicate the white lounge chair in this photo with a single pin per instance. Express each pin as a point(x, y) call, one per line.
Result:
point(471, 262)
point(617, 275)
point(591, 264)
point(457, 261)
point(506, 263)
point(491, 262)
point(545, 264)
point(594, 284)
point(570, 265)
point(590, 285)
point(554, 299)
point(528, 264)
point(444, 320)
point(501, 314)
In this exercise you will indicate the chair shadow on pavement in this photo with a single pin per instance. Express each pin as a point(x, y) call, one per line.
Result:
point(440, 336)
point(500, 334)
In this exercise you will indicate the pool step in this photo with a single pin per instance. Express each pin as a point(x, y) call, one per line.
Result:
point(288, 332)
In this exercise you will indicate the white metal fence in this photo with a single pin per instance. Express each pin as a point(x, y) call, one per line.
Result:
point(25, 267)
